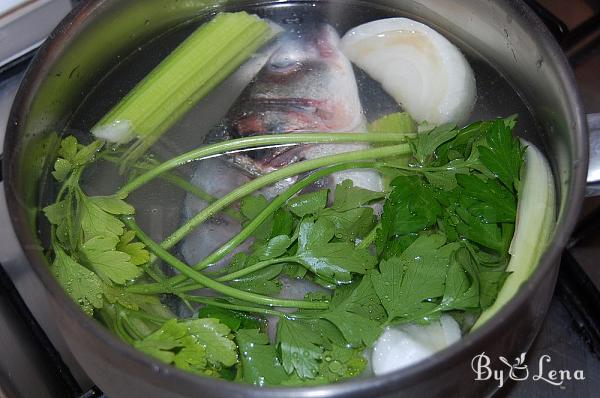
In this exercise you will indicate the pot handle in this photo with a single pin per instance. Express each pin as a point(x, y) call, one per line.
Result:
point(593, 178)
point(568, 40)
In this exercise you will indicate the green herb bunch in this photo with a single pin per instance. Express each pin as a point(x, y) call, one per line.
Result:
point(439, 245)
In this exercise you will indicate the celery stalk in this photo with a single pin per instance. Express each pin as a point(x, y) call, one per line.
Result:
point(206, 58)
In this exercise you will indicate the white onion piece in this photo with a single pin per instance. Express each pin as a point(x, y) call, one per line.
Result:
point(404, 345)
point(417, 66)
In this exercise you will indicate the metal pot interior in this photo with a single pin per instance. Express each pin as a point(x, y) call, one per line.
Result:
point(71, 83)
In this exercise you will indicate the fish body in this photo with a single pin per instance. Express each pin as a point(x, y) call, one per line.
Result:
point(306, 85)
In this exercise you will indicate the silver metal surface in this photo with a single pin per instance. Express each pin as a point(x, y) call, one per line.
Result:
point(15, 263)
point(8, 89)
point(593, 178)
point(26, 24)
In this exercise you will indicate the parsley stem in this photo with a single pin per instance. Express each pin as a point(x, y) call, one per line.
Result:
point(275, 204)
point(212, 284)
point(255, 267)
point(235, 307)
point(421, 169)
point(168, 286)
point(200, 194)
point(179, 182)
point(144, 315)
point(153, 272)
point(120, 328)
point(259, 141)
point(275, 176)
point(129, 328)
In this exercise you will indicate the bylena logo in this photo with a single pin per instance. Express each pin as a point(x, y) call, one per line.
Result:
point(519, 370)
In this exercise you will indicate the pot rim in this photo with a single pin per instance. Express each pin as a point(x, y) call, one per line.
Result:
point(166, 375)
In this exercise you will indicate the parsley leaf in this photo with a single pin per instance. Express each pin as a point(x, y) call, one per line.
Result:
point(136, 250)
point(259, 285)
point(233, 319)
point(85, 154)
point(461, 146)
point(283, 223)
point(84, 286)
point(112, 205)
point(393, 247)
point(350, 224)
point(475, 229)
point(335, 262)
point(191, 358)
point(410, 207)
point(494, 202)
point(462, 282)
point(490, 284)
point(260, 364)
point(332, 261)
point(308, 203)
point(172, 343)
point(136, 302)
point(215, 338)
point(110, 264)
point(251, 206)
point(161, 343)
point(503, 154)
point(338, 364)
point(348, 197)
point(76, 154)
point(262, 281)
point(68, 148)
point(445, 180)
point(275, 247)
point(314, 233)
point(142, 312)
point(62, 169)
point(56, 212)
point(191, 345)
point(300, 348)
point(66, 216)
point(224, 316)
point(98, 215)
point(425, 144)
point(341, 363)
point(407, 284)
point(357, 312)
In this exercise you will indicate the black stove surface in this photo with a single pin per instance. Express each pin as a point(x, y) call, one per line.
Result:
point(26, 346)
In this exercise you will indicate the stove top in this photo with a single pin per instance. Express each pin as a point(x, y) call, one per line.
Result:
point(35, 363)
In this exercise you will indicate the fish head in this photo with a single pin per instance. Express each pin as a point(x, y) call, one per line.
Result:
point(306, 85)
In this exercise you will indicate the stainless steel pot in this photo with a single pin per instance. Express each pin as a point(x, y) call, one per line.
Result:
point(100, 32)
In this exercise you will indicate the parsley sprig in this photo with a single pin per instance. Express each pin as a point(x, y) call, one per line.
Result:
point(440, 245)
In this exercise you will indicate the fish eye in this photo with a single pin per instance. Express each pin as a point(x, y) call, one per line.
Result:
point(283, 63)
point(286, 60)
